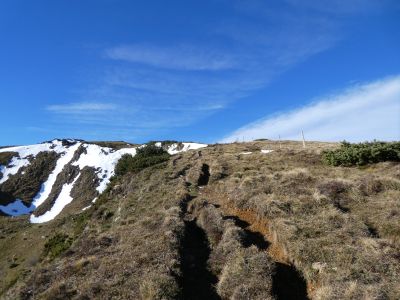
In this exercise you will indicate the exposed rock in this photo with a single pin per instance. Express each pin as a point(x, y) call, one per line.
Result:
point(84, 190)
point(27, 182)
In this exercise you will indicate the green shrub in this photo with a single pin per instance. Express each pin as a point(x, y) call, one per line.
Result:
point(57, 245)
point(362, 153)
point(164, 143)
point(80, 222)
point(145, 157)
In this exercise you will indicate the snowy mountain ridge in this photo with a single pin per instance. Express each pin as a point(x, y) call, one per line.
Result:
point(72, 163)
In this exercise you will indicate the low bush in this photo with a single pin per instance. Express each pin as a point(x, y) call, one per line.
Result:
point(163, 143)
point(362, 153)
point(80, 222)
point(57, 245)
point(145, 157)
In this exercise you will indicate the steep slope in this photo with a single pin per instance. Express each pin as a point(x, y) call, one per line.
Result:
point(234, 221)
point(42, 179)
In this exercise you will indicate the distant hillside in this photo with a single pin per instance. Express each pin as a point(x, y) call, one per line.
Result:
point(258, 220)
point(44, 178)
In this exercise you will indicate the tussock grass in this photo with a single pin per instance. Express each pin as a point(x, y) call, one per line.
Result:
point(129, 247)
point(246, 275)
point(322, 217)
point(338, 226)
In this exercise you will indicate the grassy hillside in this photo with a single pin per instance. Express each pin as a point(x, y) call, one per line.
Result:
point(226, 222)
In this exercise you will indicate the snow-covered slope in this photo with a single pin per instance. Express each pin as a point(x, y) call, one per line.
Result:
point(26, 152)
point(76, 159)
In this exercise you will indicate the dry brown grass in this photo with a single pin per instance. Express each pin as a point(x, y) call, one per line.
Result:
point(243, 273)
point(322, 217)
point(131, 254)
point(246, 275)
point(339, 227)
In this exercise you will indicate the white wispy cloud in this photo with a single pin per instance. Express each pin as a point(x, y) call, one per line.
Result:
point(90, 116)
point(159, 87)
point(180, 57)
point(362, 112)
point(82, 108)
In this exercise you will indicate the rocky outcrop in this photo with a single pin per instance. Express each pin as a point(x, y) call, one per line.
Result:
point(27, 182)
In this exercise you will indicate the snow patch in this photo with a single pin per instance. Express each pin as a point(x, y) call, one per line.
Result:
point(62, 200)
point(266, 151)
point(103, 160)
point(245, 153)
point(174, 148)
point(48, 185)
point(25, 152)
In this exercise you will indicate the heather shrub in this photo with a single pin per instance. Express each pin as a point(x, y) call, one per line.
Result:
point(57, 245)
point(362, 153)
point(145, 157)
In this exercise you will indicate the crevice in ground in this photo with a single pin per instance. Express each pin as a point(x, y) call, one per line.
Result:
point(204, 176)
point(373, 232)
point(287, 283)
point(197, 281)
point(251, 237)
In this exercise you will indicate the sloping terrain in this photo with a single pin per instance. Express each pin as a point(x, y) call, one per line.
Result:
point(42, 179)
point(234, 221)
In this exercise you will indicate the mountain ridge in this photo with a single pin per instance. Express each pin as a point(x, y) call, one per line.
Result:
point(73, 160)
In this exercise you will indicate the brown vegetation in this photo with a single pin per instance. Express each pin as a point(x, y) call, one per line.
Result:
point(261, 226)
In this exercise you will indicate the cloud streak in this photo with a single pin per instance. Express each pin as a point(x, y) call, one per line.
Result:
point(362, 112)
point(82, 108)
point(158, 87)
point(180, 57)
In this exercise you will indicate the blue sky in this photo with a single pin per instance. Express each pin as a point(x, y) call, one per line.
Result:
point(211, 70)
